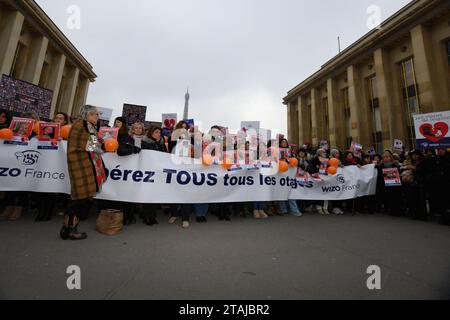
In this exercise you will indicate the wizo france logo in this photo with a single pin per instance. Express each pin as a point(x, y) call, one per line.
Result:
point(340, 178)
point(28, 158)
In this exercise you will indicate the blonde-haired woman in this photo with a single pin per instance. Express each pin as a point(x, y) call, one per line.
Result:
point(137, 132)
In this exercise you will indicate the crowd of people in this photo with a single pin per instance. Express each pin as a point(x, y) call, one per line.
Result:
point(425, 180)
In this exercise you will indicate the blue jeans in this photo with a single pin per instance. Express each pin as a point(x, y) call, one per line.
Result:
point(283, 206)
point(201, 209)
point(259, 205)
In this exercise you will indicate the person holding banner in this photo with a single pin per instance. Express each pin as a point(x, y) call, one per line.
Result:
point(86, 170)
point(439, 191)
point(16, 202)
point(181, 125)
point(336, 205)
point(61, 118)
point(390, 188)
point(127, 147)
point(5, 119)
point(137, 132)
point(290, 206)
point(416, 197)
point(313, 169)
point(153, 141)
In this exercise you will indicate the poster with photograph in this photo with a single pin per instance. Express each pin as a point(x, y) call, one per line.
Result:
point(20, 96)
point(191, 125)
point(106, 133)
point(293, 149)
point(169, 122)
point(48, 136)
point(251, 125)
point(323, 166)
point(371, 151)
point(134, 113)
point(302, 175)
point(49, 131)
point(391, 177)
point(284, 154)
point(398, 145)
point(22, 129)
point(356, 149)
point(432, 130)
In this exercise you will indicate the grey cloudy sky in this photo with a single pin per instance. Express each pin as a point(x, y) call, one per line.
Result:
point(239, 57)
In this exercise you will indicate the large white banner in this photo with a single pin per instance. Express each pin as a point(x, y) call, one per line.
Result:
point(152, 177)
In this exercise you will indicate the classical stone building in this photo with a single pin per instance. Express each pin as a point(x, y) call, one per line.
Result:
point(369, 91)
point(33, 49)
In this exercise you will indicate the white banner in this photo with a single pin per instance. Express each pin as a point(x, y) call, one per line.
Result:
point(152, 177)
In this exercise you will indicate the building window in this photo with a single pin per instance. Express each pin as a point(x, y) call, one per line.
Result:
point(374, 104)
point(326, 124)
point(18, 62)
point(43, 81)
point(410, 97)
point(347, 117)
point(448, 51)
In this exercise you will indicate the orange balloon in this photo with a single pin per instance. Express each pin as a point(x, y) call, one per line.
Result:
point(6, 134)
point(293, 162)
point(111, 145)
point(283, 166)
point(65, 131)
point(207, 160)
point(334, 162)
point(227, 164)
point(332, 170)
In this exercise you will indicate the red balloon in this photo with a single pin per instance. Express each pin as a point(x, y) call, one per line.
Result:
point(283, 166)
point(293, 162)
point(332, 170)
point(111, 145)
point(65, 131)
point(6, 134)
point(334, 162)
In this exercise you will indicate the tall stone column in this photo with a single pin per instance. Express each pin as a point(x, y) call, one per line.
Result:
point(303, 121)
point(55, 76)
point(10, 28)
point(290, 129)
point(70, 90)
point(81, 96)
point(425, 70)
point(389, 98)
point(36, 57)
point(358, 109)
point(335, 116)
point(316, 117)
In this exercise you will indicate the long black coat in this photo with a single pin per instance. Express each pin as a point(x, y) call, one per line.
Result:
point(151, 144)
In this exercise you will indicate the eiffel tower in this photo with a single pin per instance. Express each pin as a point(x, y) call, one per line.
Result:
point(186, 105)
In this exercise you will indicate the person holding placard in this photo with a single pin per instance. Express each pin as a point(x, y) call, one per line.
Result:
point(390, 189)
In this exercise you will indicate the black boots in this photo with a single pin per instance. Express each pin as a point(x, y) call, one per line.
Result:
point(70, 229)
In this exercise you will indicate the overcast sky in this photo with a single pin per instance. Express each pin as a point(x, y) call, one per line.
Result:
point(239, 57)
